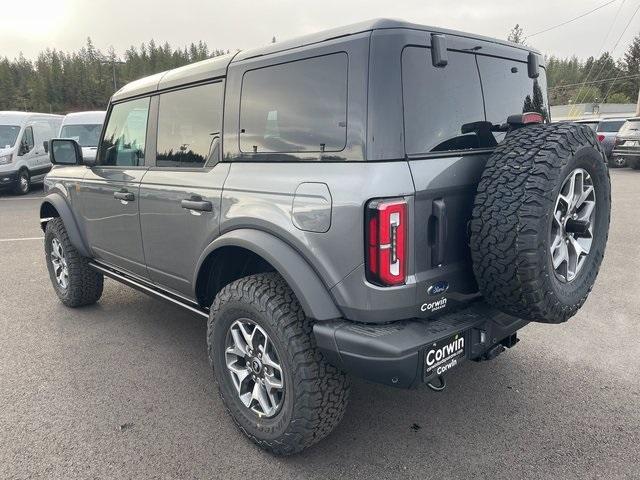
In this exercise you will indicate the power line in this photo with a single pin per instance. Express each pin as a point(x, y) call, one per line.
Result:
point(635, 12)
point(571, 20)
point(558, 87)
point(583, 92)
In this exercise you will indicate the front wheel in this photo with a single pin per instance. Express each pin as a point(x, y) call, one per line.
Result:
point(73, 280)
point(23, 183)
point(271, 377)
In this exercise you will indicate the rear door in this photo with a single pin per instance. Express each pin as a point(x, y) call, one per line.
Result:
point(110, 192)
point(446, 163)
point(180, 195)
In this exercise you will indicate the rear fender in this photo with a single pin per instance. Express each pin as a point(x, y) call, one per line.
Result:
point(312, 294)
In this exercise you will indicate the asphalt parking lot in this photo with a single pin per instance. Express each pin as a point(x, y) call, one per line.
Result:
point(123, 389)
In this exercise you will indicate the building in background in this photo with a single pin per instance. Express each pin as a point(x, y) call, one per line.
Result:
point(582, 111)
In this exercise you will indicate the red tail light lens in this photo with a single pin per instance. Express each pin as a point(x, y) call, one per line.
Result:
point(601, 138)
point(532, 117)
point(386, 242)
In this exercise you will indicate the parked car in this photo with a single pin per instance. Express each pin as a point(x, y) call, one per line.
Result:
point(370, 200)
point(606, 131)
point(592, 123)
point(626, 150)
point(84, 128)
point(24, 159)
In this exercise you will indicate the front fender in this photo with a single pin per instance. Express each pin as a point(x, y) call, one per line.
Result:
point(57, 201)
point(303, 280)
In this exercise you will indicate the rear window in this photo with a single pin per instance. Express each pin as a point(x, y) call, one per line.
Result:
point(299, 106)
point(630, 127)
point(508, 90)
point(189, 124)
point(439, 101)
point(610, 126)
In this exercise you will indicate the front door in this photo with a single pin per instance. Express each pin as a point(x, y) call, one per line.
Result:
point(109, 193)
point(180, 195)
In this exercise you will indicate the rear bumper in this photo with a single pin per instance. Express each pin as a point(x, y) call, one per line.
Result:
point(627, 153)
point(393, 354)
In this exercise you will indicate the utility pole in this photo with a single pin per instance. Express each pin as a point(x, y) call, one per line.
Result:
point(638, 105)
point(113, 65)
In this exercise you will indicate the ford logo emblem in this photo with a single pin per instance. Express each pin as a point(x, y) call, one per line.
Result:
point(438, 288)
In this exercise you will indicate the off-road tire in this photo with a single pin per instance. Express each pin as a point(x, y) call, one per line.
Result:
point(85, 284)
point(19, 188)
point(316, 392)
point(512, 215)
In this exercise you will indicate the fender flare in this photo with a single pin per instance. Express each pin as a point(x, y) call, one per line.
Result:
point(310, 291)
point(71, 226)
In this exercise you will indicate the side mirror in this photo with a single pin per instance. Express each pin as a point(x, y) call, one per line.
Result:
point(45, 144)
point(65, 151)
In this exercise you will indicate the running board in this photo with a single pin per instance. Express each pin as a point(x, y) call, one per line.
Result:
point(149, 289)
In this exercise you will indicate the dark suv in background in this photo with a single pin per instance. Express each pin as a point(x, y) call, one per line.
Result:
point(626, 149)
point(384, 200)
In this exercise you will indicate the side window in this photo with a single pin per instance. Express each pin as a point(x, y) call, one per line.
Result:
point(125, 135)
point(28, 142)
point(509, 90)
point(189, 124)
point(441, 105)
point(299, 106)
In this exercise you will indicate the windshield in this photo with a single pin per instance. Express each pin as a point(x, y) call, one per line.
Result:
point(612, 126)
point(630, 127)
point(8, 135)
point(85, 135)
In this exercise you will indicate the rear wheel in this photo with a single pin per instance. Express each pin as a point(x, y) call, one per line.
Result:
point(23, 182)
point(540, 221)
point(273, 380)
point(617, 162)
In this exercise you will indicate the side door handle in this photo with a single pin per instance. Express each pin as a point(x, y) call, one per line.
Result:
point(124, 195)
point(196, 203)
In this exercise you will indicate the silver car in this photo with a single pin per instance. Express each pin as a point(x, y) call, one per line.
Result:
point(607, 130)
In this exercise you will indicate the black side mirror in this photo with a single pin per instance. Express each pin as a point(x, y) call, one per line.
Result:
point(45, 144)
point(65, 151)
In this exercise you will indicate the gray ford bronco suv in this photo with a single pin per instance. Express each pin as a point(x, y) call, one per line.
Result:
point(384, 200)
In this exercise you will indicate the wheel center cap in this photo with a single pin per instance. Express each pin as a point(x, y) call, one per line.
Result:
point(256, 365)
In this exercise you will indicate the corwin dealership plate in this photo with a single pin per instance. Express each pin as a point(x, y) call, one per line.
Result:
point(443, 355)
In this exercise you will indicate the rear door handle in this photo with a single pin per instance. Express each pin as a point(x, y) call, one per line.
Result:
point(124, 195)
point(198, 204)
point(440, 213)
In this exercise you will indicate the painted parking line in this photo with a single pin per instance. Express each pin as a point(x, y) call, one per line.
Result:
point(20, 239)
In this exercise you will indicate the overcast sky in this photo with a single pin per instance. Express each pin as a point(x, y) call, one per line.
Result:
point(34, 25)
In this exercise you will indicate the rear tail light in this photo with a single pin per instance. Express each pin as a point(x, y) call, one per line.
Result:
point(386, 235)
point(532, 117)
point(601, 138)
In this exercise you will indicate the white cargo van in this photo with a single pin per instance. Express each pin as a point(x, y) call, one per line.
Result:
point(84, 128)
point(24, 157)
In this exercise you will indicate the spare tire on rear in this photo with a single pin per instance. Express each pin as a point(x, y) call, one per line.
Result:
point(540, 221)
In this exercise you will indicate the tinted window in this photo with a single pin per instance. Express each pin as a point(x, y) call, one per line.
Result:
point(612, 126)
point(189, 124)
point(125, 135)
point(439, 101)
point(85, 135)
point(27, 140)
point(508, 90)
point(8, 135)
point(295, 107)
